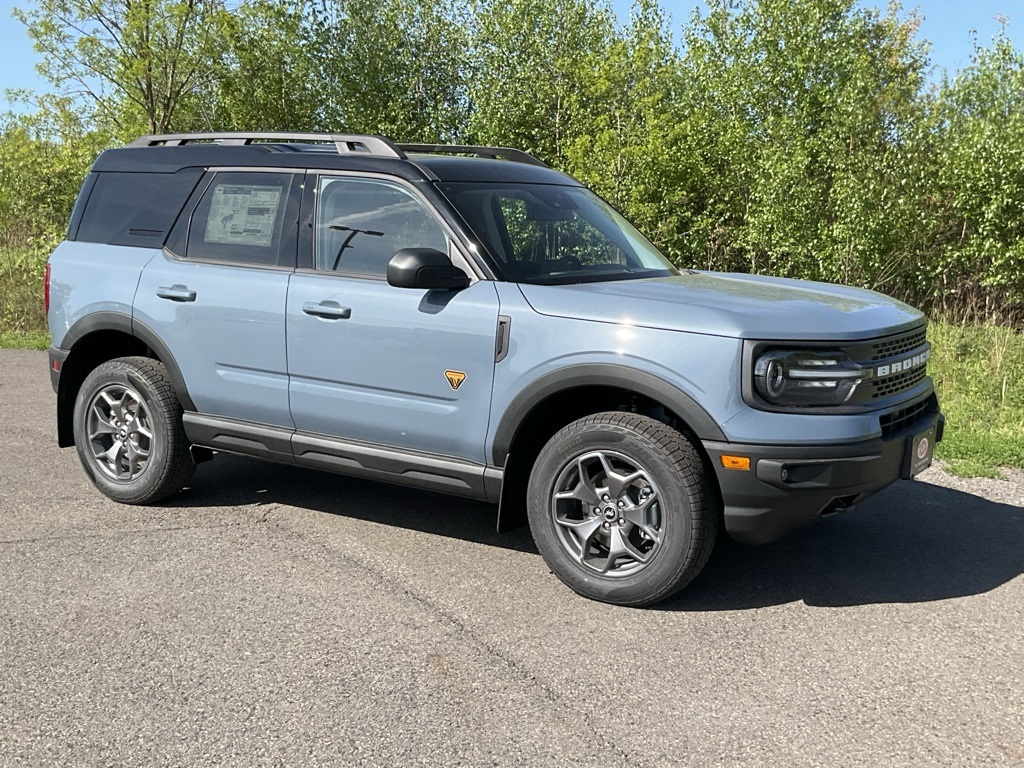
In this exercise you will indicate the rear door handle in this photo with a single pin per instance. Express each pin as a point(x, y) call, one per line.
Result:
point(176, 292)
point(330, 310)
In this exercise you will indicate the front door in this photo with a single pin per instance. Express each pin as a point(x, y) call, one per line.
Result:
point(369, 362)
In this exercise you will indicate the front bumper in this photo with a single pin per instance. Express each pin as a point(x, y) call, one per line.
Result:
point(788, 487)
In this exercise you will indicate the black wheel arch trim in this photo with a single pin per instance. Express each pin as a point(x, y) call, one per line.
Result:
point(118, 321)
point(606, 375)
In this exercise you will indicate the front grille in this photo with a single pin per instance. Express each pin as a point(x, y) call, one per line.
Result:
point(893, 347)
point(899, 382)
point(881, 355)
point(904, 417)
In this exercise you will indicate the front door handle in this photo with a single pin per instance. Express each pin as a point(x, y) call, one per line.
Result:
point(176, 292)
point(331, 310)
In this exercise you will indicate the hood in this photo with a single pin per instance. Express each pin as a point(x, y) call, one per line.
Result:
point(734, 305)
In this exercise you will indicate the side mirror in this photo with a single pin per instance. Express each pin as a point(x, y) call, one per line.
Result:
point(425, 268)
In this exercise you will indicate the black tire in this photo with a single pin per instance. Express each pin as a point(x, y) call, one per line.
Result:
point(668, 496)
point(119, 403)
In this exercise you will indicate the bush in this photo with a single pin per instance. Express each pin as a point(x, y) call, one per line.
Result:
point(21, 291)
point(979, 376)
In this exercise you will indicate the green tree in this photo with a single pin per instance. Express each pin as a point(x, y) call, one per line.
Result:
point(533, 66)
point(978, 188)
point(630, 148)
point(131, 65)
point(391, 66)
point(803, 119)
point(43, 158)
point(271, 79)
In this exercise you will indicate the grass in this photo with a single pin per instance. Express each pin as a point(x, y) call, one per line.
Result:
point(35, 339)
point(22, 317)
point(979, 374)
point(978, 371)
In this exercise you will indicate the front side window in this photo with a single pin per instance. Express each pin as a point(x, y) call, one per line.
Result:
point(362, 223)
point(547, 233)
point(242, 218)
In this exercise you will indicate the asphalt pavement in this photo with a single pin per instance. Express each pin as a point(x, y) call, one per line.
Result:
point(270, 615)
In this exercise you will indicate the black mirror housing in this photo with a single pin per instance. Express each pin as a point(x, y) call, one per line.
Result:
point(425, 268)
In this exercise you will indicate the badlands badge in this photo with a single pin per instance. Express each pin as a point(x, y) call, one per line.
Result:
point(455, 378)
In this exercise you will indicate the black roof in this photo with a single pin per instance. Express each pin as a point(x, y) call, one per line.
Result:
point(415, 166)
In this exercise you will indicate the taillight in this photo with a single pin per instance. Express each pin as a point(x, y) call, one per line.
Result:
point(46, 289)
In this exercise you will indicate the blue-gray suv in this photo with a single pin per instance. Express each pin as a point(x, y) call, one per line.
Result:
point(467, 320)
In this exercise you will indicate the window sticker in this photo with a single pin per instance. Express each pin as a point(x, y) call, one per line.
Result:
point(243, 214)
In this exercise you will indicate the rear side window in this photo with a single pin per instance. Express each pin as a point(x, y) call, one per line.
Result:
point(245, 217)
point(135, 208)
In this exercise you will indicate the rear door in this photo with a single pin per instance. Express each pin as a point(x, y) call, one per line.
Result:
point(217, 294)
point(369, 362)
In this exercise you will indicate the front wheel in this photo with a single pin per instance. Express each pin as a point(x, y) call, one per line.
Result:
point(128, 431)
point(621, 509)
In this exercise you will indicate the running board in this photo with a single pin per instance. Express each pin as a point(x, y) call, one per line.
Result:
point(414, 469)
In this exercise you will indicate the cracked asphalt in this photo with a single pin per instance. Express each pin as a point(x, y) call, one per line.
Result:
point(276, 616)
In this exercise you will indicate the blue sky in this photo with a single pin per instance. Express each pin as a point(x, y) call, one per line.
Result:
point(947, 24)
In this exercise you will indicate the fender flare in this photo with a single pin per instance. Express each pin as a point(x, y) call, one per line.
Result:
point(607, 375)
point(118, 321)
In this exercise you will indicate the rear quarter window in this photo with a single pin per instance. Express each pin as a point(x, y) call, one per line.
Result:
point(135, 208)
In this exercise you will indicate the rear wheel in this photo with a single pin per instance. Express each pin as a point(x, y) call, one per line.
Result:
point(621, 509)
point(128, 431)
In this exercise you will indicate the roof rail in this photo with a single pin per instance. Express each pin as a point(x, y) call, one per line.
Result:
point(505, 153)
point(345, 143)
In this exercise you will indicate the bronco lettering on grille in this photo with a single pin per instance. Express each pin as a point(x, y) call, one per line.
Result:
point(903, 365)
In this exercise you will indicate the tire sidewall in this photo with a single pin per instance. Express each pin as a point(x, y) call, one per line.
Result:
point(676, 511)
point(118, 372)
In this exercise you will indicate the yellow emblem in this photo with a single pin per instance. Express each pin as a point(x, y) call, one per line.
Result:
point(455, 378)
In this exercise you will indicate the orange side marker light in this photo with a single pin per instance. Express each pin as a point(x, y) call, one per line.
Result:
point(736, 462)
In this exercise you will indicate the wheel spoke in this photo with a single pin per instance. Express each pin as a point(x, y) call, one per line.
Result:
point(620, 544)
point(617, 483)
point(123, 412)
point(135, 455)
point(583, 531)
point(99, 423)
point(584, 489)
point(112, 457)
point(640, 517)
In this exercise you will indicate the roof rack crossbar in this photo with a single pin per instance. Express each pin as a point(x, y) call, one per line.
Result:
point(345, 143)
point(505, 153)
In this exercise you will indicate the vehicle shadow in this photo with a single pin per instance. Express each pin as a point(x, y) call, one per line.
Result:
point(913, 542)
point(234, 480)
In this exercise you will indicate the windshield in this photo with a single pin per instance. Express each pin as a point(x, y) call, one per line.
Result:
point(551, 234)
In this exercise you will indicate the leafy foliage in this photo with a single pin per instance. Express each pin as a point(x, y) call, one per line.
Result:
point(978, 120)
point(979, 375)
point(795, 137)
point(391, 66)
point(128, 64)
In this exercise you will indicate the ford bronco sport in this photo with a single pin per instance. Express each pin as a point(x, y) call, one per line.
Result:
point(470, 321)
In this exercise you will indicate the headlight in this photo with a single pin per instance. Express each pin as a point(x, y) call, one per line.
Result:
point(807, 377)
